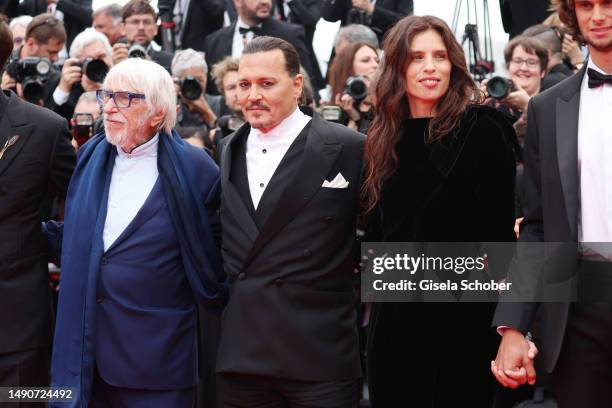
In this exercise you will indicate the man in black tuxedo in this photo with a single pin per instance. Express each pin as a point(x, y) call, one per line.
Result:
point(379, 15)
point(35, 159)
point(290, 185)
point(76, 14)
point(254, 19)
point(565, 200)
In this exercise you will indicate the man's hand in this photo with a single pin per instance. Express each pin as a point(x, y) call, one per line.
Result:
point(347, 103)
point(202, 107)
point(364, 5)
point(8, 82)
point(89, 85)
point(513, 365)
point(120, 52)
point(71, 74)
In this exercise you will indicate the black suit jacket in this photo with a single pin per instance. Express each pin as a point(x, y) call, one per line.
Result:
point(292, 307)
point(518, 15)
point(218, 45)
point(203, 17)
point(386, 13)
point(77, 13)
point(41, 161)
point(551, 203)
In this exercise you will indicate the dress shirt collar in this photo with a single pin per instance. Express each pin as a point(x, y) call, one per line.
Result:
point(240, 23)
point(148, 149)
point(284, 128)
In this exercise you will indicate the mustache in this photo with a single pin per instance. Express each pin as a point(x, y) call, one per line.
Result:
point(114, 119)
point(257, 105)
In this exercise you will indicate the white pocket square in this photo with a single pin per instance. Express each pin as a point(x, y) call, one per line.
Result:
point(337, 182)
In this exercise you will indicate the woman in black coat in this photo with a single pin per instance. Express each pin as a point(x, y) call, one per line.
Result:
point(439, 168)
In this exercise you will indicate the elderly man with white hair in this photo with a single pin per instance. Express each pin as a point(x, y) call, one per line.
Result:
point(90, 59)
point(139, 251)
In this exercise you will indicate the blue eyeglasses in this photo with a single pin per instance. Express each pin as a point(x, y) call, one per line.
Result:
point(122, 99)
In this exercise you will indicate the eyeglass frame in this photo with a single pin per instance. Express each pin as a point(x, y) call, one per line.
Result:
point(131, 96)
point(136, 23)
point(531, 63)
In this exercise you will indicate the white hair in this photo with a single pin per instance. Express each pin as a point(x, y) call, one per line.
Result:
point(21, 20)
point(149, 78)
point(86, 37)
point(186, 59)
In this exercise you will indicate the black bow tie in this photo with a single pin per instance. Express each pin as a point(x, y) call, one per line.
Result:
point(255, 30)
point(596, 78)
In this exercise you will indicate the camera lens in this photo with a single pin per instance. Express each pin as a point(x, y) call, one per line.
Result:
point(137, 51)
point(498, 87)
point(95, 69)
point(43, 67)
point(32, 90)
point(191, 88)
point(357, 88)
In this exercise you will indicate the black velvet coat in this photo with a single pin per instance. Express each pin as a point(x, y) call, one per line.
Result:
point(460, 189)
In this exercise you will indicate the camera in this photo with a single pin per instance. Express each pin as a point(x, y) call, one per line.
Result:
point(190, 88)
point(95, 69)
point(82, 128)
point(357, 88)
point(137, 51)
point(31, 72)
point(331, 113)
point(499, 87)
point(229, 124)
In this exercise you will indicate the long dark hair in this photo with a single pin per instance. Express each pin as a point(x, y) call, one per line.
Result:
point(391, 107)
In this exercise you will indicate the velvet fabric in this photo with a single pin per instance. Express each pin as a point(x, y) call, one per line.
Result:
point(460, 189)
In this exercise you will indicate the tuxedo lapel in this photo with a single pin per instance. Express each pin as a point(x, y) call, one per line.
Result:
point(13, 127)
point(566, 131)
point(320, 153)
point(238, 208)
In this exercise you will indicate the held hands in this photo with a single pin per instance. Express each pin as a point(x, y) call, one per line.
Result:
point(513, 365)
point(364, 5)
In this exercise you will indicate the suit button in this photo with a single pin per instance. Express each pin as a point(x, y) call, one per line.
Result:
point(329, 220)
point(242, 276)
point(278, 282)
point(307, 252)
point(3, 190)
point(103, 260)
point(100, 300)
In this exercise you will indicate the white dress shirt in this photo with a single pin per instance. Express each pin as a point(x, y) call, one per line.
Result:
point(134, 175)
point(237, 42)
point(595, 165)
point(264, 151)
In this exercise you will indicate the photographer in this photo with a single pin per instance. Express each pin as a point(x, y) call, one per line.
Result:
point(225, 75)
point(189, 71)
point(90, 60)
point(86, 120)
point(45, 37)
point(526, 62)
point(140, 22)
point(349, 77)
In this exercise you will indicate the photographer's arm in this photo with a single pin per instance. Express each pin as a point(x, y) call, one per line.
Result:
point(334, 10)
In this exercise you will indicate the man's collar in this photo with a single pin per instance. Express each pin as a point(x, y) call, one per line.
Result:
point(147, 149)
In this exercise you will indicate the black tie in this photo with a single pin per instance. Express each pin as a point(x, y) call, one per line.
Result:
point(255, 30)
point(596, 78)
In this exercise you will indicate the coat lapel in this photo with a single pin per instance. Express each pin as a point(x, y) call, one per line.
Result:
point(238, 208)
point(566, 126)
point(13, 125)
point(320, 153)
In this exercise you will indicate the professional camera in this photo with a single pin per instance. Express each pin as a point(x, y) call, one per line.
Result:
point(331, 113)
point(499, 87)
point(357, 88)
point(190, 88)
point(83, 127)
point(31, 72)
point(95, 69)
point(358, 16)
point(137, 51)
point(229, 124)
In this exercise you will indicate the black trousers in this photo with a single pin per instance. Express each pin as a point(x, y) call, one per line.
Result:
point(583, 375)
point(28, 368)
point(250, 391)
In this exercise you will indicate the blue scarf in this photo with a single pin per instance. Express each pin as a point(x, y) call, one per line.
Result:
point(190, 183)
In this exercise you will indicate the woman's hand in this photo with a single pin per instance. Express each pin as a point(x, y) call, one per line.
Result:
point(518, 99)
point(347, 103)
